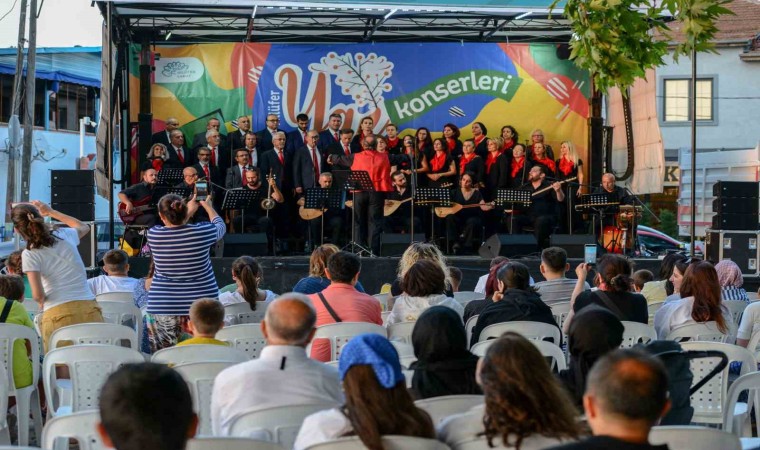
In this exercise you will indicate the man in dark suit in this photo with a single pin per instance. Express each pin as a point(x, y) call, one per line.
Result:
point(342, 147)
point(163, 137)
point(297, 138)
point(280, 164)
point(305, 173)
point(210, 173)
point(236, 174)
point(189, 178)
point(264, 137)
point(199, 140)
point(220, 155)
point(178, 152)
point(331, 135)
point(236, 139)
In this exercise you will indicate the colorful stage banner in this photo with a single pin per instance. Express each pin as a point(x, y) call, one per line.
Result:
point(411, 85)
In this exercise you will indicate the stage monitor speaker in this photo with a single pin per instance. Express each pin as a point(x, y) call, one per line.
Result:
point(250, 244)
point(572, 243)
point(735, 205)
point(395, 244)
point(72, 178)
point(88, 245)
point(735, 222)
point(736, 189)
point(508, 245)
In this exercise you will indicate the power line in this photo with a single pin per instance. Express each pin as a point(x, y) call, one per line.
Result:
point(10, 11)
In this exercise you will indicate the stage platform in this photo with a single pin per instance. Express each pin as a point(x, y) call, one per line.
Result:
point(282, 273)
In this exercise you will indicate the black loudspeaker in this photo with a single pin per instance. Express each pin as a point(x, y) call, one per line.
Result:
point(736, 189)
point(735, 205)
point(88, 245)
point(572, 243)
point(251, 244)
point(72, 192)
point(508, 245)
point(394, 244)
point(735, 222)
point(738, 246)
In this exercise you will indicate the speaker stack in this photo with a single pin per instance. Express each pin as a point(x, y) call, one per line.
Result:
point(735, 205)
point(72, 192)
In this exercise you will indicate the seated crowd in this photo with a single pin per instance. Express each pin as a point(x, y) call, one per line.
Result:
point(605, 398)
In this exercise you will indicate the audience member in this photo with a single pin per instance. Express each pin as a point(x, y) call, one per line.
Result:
point(283, 374)
point(556, 288)
point(594, 332)
point(700, 302)
point(146, 407)
point(423, 286)
point(206, 319)
point(13, 266)
point(613, 277)
point(519, 302)
point(492, 293)
point(657, 291)
point(444, 365)
point(317, 280)
point(13, 312)
point(415, 252)
point(749, 324)
point(525, 406)
point(377, 401)
point(640, 278)
point(627, 395)
point(140, 296)
point(55, 270)
point(116, 279)
point(341, 302)
point(731, 281)
point(481, 285)
point(679, 270)
point(247, 275)
point(455, 275)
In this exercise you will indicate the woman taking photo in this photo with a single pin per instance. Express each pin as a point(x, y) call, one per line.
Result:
point(443, 170)
point(509, 138)
point(453, 145)
point(470, 162)
point(183, 268)
point(570, 166)
point(54, 268)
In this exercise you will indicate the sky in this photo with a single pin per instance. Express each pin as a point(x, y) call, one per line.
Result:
point(62, 23)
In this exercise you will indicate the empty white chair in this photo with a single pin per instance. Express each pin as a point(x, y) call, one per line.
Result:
point(123, 313)
point(635, 332)
point(229, 443)
point(95, 333)
point(465, 297)
point(238, 313)
point(78, 425)
point(736, 308)
point(441, 407)
point(5, 432)
point(279, 424)
point(200, 378)
point(247, 337)
point(383, 299)
point(27, 398)
point(709, 401)
point(480, 348)
point(560, 310)
point(186, 354)
point(538, 331)
point(401, 332)
point(694, 438)
point(340, 333)
point(469, 326)
point(89, 366)
point(747, 382)
point(116, 297)
point(707, 331)
point(547, 349)
point(389, 443)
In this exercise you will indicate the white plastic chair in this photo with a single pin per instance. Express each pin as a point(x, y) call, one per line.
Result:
point(383, 299)
point(89, 366)
point(654, 307)
point(560, 311)
point(79, 425)
point(707, 331)
point(239, 313)
point(27, 398)
point(547, 349)
point(534, 331)
point(5, 432)
point(279, 424)
point(200, 379)
point(186, 354)
point(747, 382)
point(441, 407)
point(384, 315)
point(694, 438)
point(709, 401)
point(753, 296)
point(340, 333)
point(123, 313)
point(247, 337)
point(229, 443)
point(116, 297)
point(32, 307)
point(469, 326)
point(95, 333)
point(401, 332)
point(635, 333)
point(465, 297)
point(736, 308)
point(389, 443)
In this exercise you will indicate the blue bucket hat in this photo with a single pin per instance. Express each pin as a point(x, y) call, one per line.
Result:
point(376, 351)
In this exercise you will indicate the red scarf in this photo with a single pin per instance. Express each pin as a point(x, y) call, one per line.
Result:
point(158, 163)
point(479, 139)
point(392, 142)
point(507, 145)
point(451, 144)
point(491, 160)
point(548, 163)
point(517, 166)
point(438, 161)
point(464, 161)
point(565, 166)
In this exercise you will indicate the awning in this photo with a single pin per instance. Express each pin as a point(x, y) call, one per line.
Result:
point(63, 65)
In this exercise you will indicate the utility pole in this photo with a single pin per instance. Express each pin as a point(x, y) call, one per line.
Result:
point(31, 58)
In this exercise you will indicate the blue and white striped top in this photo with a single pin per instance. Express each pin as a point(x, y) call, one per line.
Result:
point(183, 266)
point(734, 293)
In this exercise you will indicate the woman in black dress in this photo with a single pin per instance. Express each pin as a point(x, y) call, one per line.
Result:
point(470, 162)
point(569, 166)
point(443, 171)
point(451, 133)
point(510, 138)
point(519, 167)
point(406, 165)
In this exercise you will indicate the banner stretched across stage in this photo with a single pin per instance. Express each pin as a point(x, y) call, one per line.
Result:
point(411, 85)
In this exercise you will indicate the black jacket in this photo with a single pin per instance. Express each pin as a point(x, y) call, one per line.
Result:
point(517, 305)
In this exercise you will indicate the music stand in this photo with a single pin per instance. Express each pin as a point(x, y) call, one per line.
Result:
point(160, 191)
point(240, 199)
point(354, 181)
point(322, 199)
point(433, 196)
point(599, 203)
point(169, 176)
point(519, 196)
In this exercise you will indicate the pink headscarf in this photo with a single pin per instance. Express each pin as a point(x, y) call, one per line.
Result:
point(729, 274)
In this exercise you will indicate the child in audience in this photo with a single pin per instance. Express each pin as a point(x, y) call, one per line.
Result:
point(640, 278)
point(13, 267)
point(116, 267)
point(13, 312)
point(456, 278)
point(247, 274)
point(206, 319)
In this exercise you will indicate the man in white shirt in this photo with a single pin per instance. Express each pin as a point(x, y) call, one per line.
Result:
point(283, 374)
point(116, 267)
point(480, 286)
point(553, 267)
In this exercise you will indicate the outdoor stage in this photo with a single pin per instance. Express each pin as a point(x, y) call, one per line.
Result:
point(282, 273)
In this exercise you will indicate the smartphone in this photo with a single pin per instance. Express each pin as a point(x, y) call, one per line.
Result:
point(589, 254)
point(201, 190)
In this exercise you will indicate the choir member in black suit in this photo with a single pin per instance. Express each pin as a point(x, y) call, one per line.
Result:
point(236, 139)
point(264, 137)
point(162, 137)
point(331, 135)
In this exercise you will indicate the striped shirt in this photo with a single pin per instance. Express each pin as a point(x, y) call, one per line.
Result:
point(183, 266)
point(734, 293)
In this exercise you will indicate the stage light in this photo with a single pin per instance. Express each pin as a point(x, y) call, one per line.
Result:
point(523, 15)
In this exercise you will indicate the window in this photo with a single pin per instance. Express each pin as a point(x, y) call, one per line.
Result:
point(677, 104)
point(71, 103)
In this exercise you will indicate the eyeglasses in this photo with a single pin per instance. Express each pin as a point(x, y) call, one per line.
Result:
point(273, 120)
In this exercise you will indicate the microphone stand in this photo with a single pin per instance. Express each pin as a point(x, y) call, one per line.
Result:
point(633, 220)
point(412, 188)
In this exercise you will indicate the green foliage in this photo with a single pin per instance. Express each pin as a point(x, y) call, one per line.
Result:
point(668, 223)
